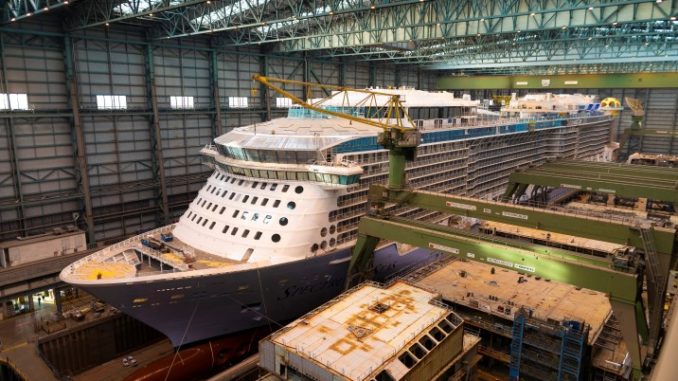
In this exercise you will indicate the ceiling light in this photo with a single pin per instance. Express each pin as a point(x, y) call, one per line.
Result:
point(331, 13)
point(532, 14)
point(373, 7)
point(590, 38)
point(45, 9)
point(150, 14)
point(66, 2)
point(590, 8)
point(659, 1)
point(673, 18)
point(614, 23)
point(563, 27)
point(29, 14)
point(481, 20)
point(518, 31)
point(107, 24)
point(13, 19)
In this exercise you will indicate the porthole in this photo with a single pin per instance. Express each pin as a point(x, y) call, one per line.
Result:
point(299, 189)
point(333, 242)
point(285, 188)
point(283, 221)
point(314, 247)
point(291, 205)
point(323, 245)
point(323, 232)
point(333, 229)
point(275, 238)
point(276, 203)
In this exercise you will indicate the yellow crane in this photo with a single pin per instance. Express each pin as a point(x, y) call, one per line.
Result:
point(399, 134)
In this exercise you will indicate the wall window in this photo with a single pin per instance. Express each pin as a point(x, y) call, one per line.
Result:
point(13, 101)
point(112, 102)
point(283, 102)
point(181, 102)
point(237, 102)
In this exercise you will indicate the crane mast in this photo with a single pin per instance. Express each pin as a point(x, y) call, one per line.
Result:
point(398, 135)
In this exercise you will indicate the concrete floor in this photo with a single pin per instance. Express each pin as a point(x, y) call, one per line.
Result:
point(114, 370)
point(18, 344)
point(19, 335)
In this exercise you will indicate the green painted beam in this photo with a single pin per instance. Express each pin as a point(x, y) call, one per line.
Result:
point(612, 179)
point(616, 231)
point(544, 262)
point(570, 81)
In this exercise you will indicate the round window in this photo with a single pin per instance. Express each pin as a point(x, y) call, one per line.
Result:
point(275, 237)
point(314, 247)
point(323, 232)
point(283, 221)
point(291, 205)
point(333, 229)
point(323, 245)
point(333, 242)
point(299, 189)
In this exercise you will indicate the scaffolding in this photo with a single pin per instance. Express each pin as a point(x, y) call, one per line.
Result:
point(547, 350)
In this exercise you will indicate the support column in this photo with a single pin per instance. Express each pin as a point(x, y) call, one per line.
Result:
point(372, 81)
point(58, 303)
point(628, 322)
point(342, 72)
point(307, 77)
point(397, 82)
point(217, 128)
point(158, 161)
point(13, 158)
point(263, 90)
point(76, 124)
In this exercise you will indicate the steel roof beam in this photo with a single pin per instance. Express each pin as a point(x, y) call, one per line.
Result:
point(448, 19)
point(14, 10)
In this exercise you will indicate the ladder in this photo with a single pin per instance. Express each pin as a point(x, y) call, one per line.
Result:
point(516, 345)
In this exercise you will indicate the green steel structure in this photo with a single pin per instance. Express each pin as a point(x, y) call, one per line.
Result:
point(622, 285)
point(625, 180)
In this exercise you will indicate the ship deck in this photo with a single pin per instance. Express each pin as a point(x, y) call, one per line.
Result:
point(131, 258)
point(477, 286)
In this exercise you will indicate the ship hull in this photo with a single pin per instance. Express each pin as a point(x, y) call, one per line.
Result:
point(188, 310)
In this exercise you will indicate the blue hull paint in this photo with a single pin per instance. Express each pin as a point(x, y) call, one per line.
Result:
point(222, 304)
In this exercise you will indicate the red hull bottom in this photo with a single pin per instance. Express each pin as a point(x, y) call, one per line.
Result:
point(202, 360)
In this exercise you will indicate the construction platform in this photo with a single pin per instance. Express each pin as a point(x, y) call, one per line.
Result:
point(500, 293)
point(373, 333)
point(491, 299)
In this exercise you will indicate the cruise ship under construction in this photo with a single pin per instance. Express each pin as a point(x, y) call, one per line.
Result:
point(269, 236)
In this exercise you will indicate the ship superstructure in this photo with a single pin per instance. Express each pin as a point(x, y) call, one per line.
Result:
point(269, 235)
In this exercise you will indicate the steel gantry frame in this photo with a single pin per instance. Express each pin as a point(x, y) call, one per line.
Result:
point(569, 268)
point(444, 34)
point(625, 180)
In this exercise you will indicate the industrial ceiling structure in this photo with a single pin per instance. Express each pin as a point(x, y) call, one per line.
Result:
point(458, 36)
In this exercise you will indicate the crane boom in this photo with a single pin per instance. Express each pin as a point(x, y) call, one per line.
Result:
point(394, 111)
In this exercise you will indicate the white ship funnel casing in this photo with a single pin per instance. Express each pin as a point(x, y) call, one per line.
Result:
point(548, 102)
point(409, 97)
